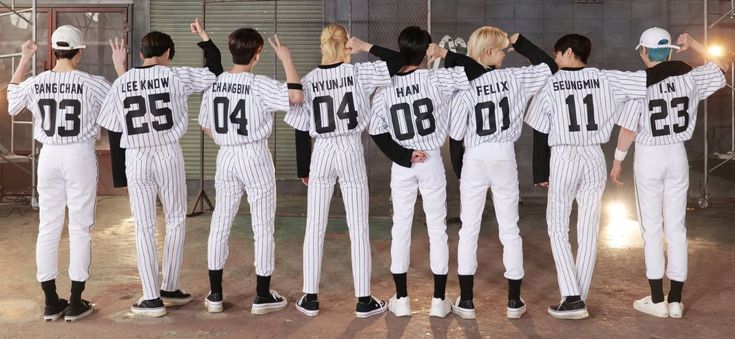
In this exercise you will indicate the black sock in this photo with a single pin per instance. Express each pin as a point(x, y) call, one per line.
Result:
point(77, 287)
point(573, 298)
point(657, 290)
point(466, 283)
point(215, 281)
point(49, 290)
point(311, 297)
point(263, 286)
point(675, 291)
point(364, 300)
point(400, 281)
point(514, 289)
point(440, 286)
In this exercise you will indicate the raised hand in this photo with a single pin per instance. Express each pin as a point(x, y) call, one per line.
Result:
point(685, 41)
point(28, 48)
point(197, 29)
point(355, 45)
point(282, 52)
point(119, 55)
point(435, 52)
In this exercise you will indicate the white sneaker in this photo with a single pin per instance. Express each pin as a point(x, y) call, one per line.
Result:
point(676, 310)
point(464, 309)
point(440, 307)
point(646, 305)
point(400, 307)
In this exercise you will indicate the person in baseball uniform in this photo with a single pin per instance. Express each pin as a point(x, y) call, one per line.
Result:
point(659, 125)
point(577, 107)
point(237, 112)
point(335, 111)
point(148, 105)
point(414, 111)
point(64, 103)
point(485, 123)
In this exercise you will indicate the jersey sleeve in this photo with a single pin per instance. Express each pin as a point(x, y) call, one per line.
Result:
point(378, 112)
point(450, 80)
point(373, 75)
point(539, 111)
point(205, 114)
point(631, 114)
point(298, 116)
point(461, 105)
point(272, 93)
point(533, 77)
point(19, 96)
point(627, 85)
point(99, 87)
point(708, 78)
point(110, 112)
point(194, 80)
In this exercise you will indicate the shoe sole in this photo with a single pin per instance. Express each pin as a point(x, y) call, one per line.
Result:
point(397, 314)
point(516, 313)
point(641, 308)
point(214, 306)
point(268, 308)
point(175, 301)
point(310, 313)
point(54, 317)
point(71, 319)
point(463, 313)
point(576, 314)
point(376, 311)
point(149, 312)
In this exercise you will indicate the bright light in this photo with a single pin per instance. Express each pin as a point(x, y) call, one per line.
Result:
point(621, 229)
point(715, 50)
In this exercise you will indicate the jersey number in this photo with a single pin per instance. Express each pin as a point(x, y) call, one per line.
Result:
point(221, 107)
point(48, 108)
point(346, 110)
point(159, 125)
point(423, 109)
point(682, 112)
point(573, 124)
point(487, 109)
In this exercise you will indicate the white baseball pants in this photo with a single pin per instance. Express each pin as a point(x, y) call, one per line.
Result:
point(67, 177)
point(662, 182)
point(329, 163)
point(577, 173)
point(157, 171)
point(428, 178)
point(490, 166)
point(244, 169)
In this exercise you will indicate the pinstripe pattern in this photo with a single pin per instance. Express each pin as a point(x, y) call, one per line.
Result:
point(426, 94)
point(89, 90)
point(679, 116)
point(489, 97)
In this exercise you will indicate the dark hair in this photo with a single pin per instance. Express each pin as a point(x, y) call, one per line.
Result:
point(580, 45)
point(244, 44)
point(65, 54)
point(155, 43)
point(413, 42)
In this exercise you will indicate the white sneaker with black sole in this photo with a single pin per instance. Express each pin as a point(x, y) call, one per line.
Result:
point(149, 308)
point(516, 309)
point(373, 307)
point(646, 305)
point(214, 302)
point(274, 302)
point(464, 309)
point(400, 307)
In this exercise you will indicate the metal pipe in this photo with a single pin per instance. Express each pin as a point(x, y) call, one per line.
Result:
point(34, 158)
point(706, 114)
point(11, 55)
point(732, 105)
point(15, 12)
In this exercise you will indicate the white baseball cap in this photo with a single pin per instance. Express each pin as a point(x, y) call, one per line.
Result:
point(654, 38)
point(67, 38)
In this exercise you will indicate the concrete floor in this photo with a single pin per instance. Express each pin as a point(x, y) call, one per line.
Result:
point(619, 279)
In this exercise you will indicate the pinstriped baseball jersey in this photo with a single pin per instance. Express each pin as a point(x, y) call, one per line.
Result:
point(149, 104)
point(492, 110)
point(580, 107)
point(64, 105)
point(238, 108)
point(337, 99)
point(415, 109)
point(669, 113)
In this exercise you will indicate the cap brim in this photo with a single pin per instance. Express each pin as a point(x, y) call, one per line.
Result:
point(658, 46)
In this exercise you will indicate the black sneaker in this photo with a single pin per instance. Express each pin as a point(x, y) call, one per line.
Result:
point(310, 308)
point(465, 309)
point(175, 298)
point(371, 308)
point(149, 308)
point(516, 308)
point(53, 312)
point(569, 310)
point(273, 302)
point(214, 302)
point(76, 312)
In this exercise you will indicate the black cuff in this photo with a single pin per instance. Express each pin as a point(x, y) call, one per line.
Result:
point(541, 157)
point(117, 159)
point(297, 86)
point(456, 154)
point(395, 152)
point(303, 153)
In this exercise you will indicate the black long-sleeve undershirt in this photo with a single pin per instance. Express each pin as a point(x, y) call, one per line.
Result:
point(303, 153)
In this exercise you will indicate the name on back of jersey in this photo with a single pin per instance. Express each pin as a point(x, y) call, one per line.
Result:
point(562, 85)
point(60, 88)
point(493, 88)
point(144, 84)
point(330, 84)
point(228, 87)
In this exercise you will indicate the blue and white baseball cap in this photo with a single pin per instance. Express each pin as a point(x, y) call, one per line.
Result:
point(656, 37)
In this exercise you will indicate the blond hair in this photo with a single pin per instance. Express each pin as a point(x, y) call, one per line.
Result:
point(483, 38)
point(334, 44)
